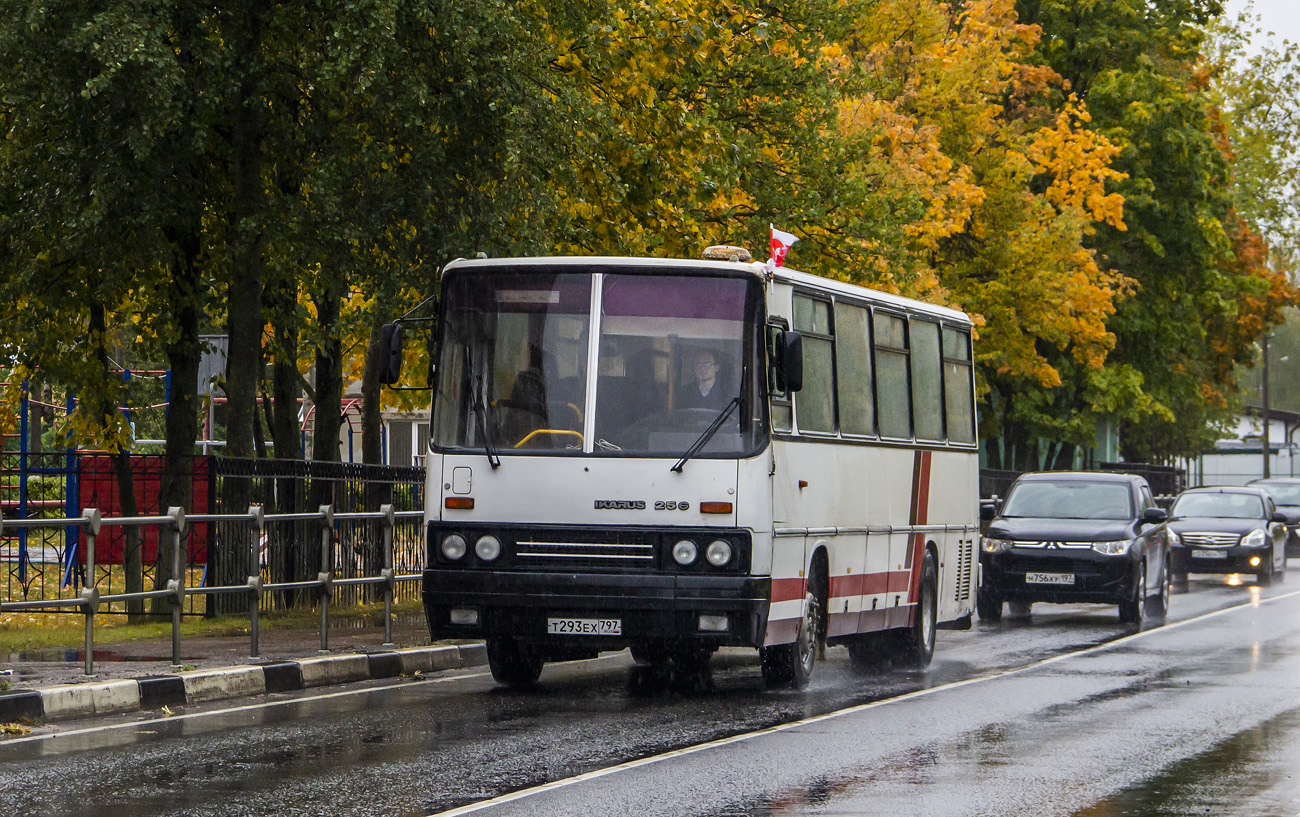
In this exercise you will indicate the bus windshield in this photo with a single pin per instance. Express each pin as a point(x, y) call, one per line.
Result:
point(673, 352)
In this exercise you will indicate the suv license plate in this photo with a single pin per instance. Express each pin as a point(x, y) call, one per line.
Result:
point(1209, 554)
point(1049, 578)
point(584, 626)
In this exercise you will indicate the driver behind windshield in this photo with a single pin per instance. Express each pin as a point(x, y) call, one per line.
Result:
point(706, 390)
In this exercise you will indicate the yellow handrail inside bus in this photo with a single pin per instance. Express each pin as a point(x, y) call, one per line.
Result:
point(537, 431)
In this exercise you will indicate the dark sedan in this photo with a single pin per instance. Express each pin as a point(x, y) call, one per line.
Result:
point(1285, 493)
point(1076, 537)
point(1227, 530)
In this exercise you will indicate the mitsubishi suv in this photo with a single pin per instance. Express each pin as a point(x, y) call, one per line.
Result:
point(1067, 537)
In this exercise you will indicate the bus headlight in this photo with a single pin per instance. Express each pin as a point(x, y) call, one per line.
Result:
point(1253, 539)
point(454, 546)
point(487, 548)
point(684, 552)
point(718, 552)
point(1116, 548)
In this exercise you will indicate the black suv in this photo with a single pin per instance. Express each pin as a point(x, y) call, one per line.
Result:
point(1076, 537)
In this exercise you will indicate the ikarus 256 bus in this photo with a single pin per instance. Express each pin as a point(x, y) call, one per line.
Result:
point(674, 456)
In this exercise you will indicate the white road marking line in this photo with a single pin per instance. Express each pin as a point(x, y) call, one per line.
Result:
point(714, 744)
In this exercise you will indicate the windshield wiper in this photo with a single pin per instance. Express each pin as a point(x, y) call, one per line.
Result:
point(708, 434)
point(481, 412)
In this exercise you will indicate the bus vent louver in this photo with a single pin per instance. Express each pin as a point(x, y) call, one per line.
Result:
point(965, 570)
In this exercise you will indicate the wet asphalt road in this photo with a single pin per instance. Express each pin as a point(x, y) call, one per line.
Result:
point(1063, 713)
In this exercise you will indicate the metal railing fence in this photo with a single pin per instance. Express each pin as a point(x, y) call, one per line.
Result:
point(252, 588)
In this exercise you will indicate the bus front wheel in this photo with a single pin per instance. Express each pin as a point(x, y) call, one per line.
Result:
point(791, 665)
point(512, 663)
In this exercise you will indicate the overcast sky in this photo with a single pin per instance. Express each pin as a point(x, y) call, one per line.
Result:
point(1279, 16)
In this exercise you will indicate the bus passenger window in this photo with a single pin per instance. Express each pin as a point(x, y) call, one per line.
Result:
point(814, 405)
point(927, 381)
point(891, 376)
point(958, 388)
point(853, 370)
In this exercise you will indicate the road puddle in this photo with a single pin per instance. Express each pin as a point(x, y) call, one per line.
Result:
point(1252, 766)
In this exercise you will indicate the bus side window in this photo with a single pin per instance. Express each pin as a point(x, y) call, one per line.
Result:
point(856, 399)
point(958, 386)
point(815, 405)
point(889, 333)
point(927, 380)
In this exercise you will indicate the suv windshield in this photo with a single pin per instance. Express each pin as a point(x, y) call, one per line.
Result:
point(1070, 499)
point(1224, 506)
point(673, 353)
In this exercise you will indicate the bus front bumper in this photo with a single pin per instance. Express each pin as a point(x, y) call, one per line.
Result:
point(648, 608)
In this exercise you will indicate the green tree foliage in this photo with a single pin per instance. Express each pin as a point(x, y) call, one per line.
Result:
point(1137, 66)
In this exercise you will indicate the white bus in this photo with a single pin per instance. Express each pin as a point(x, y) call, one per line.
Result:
point(680, 455)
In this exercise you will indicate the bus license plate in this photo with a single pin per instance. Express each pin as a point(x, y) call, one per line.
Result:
point(1049, 578)
point(1209, 554)
point(584, 626)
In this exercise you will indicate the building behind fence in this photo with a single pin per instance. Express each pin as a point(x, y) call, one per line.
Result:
point(43, 564)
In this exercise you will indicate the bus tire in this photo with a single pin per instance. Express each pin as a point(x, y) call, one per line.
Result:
point(512, 663)
point(916, 643)
point(650, 654)
point(791, 665)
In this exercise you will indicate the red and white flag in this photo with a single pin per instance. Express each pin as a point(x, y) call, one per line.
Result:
point(781, 243)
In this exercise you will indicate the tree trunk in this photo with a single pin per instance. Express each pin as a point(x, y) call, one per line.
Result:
point(184, 352)
point(105, 408)
point(372, 421)
point(244, 295)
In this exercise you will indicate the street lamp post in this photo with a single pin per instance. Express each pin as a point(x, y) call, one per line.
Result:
point(1267, 469)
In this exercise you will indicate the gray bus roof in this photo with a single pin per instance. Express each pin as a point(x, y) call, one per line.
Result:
point(756, 268)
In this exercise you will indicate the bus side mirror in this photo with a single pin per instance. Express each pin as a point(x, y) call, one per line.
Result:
point(390, 342)
point(789, 361)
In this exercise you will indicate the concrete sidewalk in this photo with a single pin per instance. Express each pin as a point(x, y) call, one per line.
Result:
point(51, 685)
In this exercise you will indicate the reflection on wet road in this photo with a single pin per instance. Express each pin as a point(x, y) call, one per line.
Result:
point(1006, 721)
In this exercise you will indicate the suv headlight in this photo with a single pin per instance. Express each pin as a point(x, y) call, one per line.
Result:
point(1112, 548)
point(1254, 539)
point(991, 545)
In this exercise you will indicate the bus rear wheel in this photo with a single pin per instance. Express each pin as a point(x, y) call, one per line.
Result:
point(512, 663)
point(916, 643)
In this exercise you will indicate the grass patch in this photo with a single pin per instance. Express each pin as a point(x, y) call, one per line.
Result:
point(31, 631)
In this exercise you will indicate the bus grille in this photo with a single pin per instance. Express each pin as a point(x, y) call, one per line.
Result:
point(564, 554)
point(965, 569)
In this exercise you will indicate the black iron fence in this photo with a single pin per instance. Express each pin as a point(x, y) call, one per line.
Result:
point(50, 562)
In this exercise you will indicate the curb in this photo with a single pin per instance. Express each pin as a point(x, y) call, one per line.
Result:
point(69, 701)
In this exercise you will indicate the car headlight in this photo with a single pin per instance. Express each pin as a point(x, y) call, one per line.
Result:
point(684, 552)
point(1173, 538)
point(718, 552)
point(1112, 548)
point(487, 548)
point(991, 545)
point(1254, 539)
point(454, 546)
